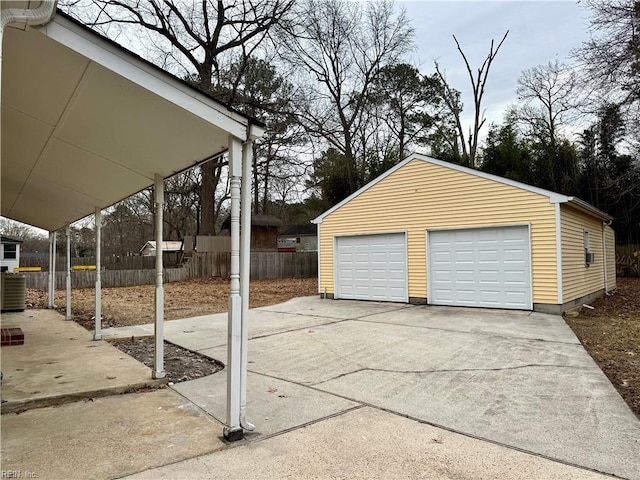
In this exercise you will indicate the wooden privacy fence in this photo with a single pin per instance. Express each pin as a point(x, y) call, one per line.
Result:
point(263, 265)
point(109, 263)
point(109, 278)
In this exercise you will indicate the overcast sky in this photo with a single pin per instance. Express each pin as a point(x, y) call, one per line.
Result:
point(539, 32)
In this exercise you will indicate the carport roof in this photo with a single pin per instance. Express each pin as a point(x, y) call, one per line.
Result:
point(86, 123)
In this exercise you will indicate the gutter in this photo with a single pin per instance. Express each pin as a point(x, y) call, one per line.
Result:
point(28, 16)
point(588, 208)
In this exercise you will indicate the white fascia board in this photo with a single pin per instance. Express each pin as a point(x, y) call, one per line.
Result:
point(103, 53)
point(255, 132)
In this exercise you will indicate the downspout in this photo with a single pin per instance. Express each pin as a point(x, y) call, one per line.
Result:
point(36, 16)
point(605, 224)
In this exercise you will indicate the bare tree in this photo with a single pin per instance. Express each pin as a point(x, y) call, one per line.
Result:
point(193, 39)
point(342, 46)
point(610, 59)
point(465, 145)
point(547, 95)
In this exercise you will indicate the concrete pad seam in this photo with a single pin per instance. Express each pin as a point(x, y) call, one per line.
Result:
point(306, 424)
point(453, 370)
point(404, 307)
point(495, 442)
point(266, 335)
point(196, 405)
point(296, 313)
point(201, 351)
point(129, 474)
point(245, 441)
point(297, 329)
point(488, 334)
point(443, 427)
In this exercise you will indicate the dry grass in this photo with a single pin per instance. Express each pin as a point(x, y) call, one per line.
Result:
point(134, 305)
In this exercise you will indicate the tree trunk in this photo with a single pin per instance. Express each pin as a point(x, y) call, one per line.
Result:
point(207, 195)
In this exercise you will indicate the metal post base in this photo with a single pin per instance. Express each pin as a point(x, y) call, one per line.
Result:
point(97, 337)
point(158, 375)
point(233, 434)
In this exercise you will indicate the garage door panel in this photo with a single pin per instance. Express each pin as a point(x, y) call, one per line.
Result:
point(374, 269)
point(483, 267)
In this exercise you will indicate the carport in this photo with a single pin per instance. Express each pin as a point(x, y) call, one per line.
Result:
point(86, 123)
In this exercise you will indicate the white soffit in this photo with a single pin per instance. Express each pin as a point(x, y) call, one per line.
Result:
point(81, 131)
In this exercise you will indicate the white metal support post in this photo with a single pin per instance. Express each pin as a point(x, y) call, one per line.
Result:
point(52, 273)
point(158, 332)
point(68, 313)
point(97, 335)
point(245, 272)
point(233, 430)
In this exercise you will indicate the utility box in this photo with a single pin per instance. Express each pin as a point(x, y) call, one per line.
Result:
point(13, 292)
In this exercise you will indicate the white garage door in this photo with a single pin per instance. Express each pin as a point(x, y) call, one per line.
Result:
point(480, 267)
point(372, 267)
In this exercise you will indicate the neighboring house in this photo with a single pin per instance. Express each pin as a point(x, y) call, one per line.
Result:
point(169, 246)
point(429, 231)
point(299, 238)
point(207, 243)
point(264, 232)
point(9, 254)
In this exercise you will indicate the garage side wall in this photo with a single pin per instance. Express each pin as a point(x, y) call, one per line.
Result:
point(580, 280)
point(423, 196)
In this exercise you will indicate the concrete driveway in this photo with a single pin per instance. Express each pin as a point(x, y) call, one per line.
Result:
point(518, 382)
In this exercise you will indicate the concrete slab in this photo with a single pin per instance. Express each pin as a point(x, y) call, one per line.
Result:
point(272, 405)
point(532, 325)
point(368, 443)
point(107, 438)
point(198, 333)
point(60, 362)
point(350, 346)
point(543, 396)
point(338, 309)
point(562, 413)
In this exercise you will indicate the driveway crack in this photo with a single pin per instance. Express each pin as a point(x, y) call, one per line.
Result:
point(452, 370)
point(471, 332)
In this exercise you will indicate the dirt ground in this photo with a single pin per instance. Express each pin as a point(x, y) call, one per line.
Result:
point(611, 334)
point(134, 305)
point(179, 364)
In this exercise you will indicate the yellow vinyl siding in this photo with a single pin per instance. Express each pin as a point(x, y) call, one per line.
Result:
point(578, 279)
point(610, 257)
point(421, 196)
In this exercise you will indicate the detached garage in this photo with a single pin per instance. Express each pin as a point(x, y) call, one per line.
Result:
point(429, 231)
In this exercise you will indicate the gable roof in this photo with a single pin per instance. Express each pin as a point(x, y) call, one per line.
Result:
point(553, 196)
point(10, 241)
point(167, 245)
point(257, 220)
